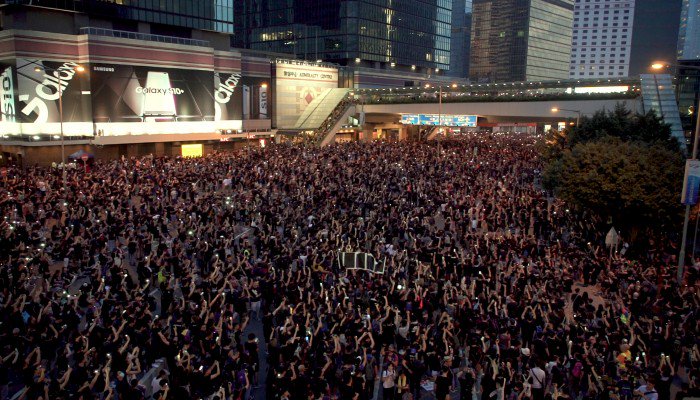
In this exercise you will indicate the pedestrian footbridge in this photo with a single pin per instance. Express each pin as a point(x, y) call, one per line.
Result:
point(359, 113)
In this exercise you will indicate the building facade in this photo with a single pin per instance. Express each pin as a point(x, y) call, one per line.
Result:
point(172, 17)
point(382, 34)
point(461, 38)
point(689, 31)
point(602, 41)
point(520, 40)
point(614, 38)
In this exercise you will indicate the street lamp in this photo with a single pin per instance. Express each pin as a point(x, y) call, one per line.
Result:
point(427, 86)
point(658, 66)
point(578, 112)
point(79, 68)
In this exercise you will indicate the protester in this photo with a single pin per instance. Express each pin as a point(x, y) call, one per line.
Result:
point(484, 286)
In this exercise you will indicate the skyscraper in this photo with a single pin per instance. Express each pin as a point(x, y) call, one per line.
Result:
point(689, 32)
point(519, 40)
point(461, 37)
point(372, 33)
point(655, 33)
point(164, 16)
point(614, 38)
point(602, 39)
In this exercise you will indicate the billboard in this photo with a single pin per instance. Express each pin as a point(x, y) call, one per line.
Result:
point(255, 98)
point(7, 93)
point(126, 93)
point(130, 99)
point(30, 98)
point(297, 84)
point(436, 119)
point(113, 100)
point(227, 96)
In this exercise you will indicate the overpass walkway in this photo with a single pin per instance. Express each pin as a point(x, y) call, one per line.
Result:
point(331, 111)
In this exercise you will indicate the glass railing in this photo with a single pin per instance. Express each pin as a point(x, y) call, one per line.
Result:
point(468, 97)
point(142, 36)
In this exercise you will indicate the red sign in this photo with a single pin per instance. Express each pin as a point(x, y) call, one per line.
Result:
point(84, 157)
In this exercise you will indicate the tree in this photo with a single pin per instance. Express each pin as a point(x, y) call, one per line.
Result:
point(617, 164)
point(622, 124)
point(636, 184)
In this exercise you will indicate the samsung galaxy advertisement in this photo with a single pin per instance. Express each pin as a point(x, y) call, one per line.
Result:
point(35, 93)
point(116, 100)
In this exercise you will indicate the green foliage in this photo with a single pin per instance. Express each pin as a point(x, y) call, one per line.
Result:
point(621, 123)
point(635, 183)
point(618, 164)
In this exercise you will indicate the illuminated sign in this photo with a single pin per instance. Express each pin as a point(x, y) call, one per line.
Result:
point(598, 89)
point(296, 86)
point(8, 95)
point(191, 150)
point(436, 119)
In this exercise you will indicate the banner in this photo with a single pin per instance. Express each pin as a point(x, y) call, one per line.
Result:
point(126, 93)
point(691, 183)
point(263, 102)
point(7, 93)
point(32, 95)
point(364, 261)
point(246, 102)
point(296, 86)
point(227, 96)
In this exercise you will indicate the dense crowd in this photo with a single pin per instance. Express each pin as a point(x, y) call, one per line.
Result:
point(484, 287)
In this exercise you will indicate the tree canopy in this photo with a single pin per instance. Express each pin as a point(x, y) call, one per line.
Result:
point(618, 164)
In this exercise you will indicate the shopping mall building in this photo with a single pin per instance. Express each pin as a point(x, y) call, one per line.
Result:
point(70, 76)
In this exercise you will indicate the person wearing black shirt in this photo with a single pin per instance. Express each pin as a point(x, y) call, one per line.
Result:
point(466, 380)
point(443, 384)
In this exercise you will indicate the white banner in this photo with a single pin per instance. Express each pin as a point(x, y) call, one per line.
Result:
point(263, 102)
point(7, 91)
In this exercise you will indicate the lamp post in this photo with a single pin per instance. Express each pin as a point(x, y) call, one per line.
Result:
point(79, 68)
point(427, 86)
point(657, 66)
point(578, 113)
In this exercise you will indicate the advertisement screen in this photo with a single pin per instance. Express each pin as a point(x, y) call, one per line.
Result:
point(436, 119)
point(113, 100)
point(192, 150)
point(125, 93)
point(30, 98)
point(227, 96)
point(140, 100)
point(297, 85)
point(7, 93)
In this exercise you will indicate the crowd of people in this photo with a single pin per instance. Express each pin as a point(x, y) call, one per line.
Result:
point(482, 285)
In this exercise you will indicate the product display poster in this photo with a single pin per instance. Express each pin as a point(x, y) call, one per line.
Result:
point(126, 93)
